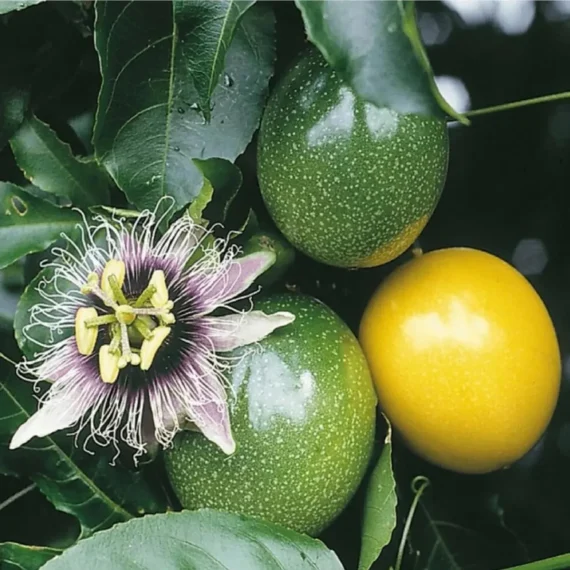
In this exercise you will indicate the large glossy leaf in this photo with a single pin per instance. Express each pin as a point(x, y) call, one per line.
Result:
point(85, 486)
point(376, 47)
point(204, 540)
point(149, 124)
point(211, 27)
point(28, 224)
point(380, 508)
point(22, 557)
point(50, 165)
point(12, 5)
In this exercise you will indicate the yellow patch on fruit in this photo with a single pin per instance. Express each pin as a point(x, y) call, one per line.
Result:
point(464, 357)
point(397, 245)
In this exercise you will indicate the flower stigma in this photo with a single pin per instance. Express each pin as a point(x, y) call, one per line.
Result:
point(128, 316)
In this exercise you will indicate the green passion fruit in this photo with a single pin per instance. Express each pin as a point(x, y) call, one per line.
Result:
point(303, 420)
point(348, 183)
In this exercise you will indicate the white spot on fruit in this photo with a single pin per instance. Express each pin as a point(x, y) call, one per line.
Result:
point(336, 124)
point(274, 390)
point(459, 326)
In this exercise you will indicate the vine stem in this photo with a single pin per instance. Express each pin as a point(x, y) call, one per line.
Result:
point(517, 104)
point(419, 484)
point(557, 563)
point(17, 496)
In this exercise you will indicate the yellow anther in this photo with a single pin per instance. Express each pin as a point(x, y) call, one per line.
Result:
point(108, 364)
point(116, 268)
point(168, 319)
point(122, 362)
point(135, 359)
point(160, 296)
point(149, 347)
point(85, 336)
point(125, 314)
point(92, 281)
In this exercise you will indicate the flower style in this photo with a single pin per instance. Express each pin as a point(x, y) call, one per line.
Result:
point(145, 357)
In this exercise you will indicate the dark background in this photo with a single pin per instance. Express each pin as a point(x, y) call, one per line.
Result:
point(507, 192)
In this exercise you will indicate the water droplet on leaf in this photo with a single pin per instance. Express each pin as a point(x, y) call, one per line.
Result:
point(228, 81)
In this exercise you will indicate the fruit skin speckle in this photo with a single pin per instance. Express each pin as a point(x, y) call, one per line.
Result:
point(347, 183)
point(303, 420)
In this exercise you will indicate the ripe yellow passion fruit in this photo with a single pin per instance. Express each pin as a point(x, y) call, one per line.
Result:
point(464, 357)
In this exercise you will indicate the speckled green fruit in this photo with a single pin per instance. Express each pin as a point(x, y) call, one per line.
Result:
point(303, 422)
point(348, 183)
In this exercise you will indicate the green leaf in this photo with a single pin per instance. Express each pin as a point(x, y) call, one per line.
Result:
point(15, 556)
point(85, 486)
point(12, 5)
point(149, 125)
point(50, 165)
point(28, 224)
point(204, 540)
point(212, 26)
point(13, 105)
point(225, 179)
point(196, 209)
point(376, 47)
point(380, 508)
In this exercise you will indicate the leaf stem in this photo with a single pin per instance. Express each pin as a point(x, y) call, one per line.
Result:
point(419, 485)
point(517, 104)
point(17, 496)
point(561, 562)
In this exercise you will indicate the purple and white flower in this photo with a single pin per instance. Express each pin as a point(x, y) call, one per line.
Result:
point(145, 355)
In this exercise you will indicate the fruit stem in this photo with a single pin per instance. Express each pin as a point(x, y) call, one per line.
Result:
point(419, 485)
point(517, 104)
point(557, 563)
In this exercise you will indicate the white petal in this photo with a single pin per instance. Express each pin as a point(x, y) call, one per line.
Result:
point(214, 422)
point(59, 412)
point(197, 395)
point(230, 280)
point(233, 331)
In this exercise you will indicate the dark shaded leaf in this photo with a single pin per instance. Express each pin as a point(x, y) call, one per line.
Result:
point(50, 165)
point(149, 124)
point(453, 528)
point(13, 105)
point(12, 5)
point(376, 47)
point(204, 540)
point(28, 224)
point(15, 556)
point(380, 508)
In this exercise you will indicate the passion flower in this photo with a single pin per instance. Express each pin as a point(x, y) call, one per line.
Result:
point(144, 357)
